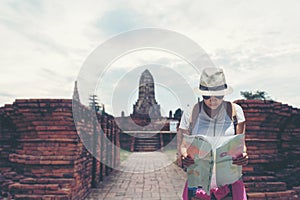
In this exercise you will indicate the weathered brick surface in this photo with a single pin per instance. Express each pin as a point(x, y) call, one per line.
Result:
point(272, 137)
point(43, 155)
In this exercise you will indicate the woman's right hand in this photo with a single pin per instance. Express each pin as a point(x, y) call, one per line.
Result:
point(187, 161)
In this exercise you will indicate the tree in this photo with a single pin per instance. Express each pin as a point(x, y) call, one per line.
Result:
point(260, 95)
point(94, 103)
point(178, 114)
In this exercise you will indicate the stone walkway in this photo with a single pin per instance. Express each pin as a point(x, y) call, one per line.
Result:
point(144, 175)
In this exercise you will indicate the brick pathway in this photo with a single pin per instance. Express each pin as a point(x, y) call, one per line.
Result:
point(147, 177)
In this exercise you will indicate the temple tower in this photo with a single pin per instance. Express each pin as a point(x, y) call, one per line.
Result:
point(146, 105)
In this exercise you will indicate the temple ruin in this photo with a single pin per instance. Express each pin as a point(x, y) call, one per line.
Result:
point(146, 105)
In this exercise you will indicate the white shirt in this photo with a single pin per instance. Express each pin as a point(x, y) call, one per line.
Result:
point(220, 125)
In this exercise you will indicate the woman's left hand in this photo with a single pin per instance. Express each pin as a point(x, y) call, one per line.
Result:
point(241, 160)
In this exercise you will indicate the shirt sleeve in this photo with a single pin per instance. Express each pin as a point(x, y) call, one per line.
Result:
point(185, 120)
point(239, 113)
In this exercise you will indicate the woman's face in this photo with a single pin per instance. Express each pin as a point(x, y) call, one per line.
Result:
point(213, 102)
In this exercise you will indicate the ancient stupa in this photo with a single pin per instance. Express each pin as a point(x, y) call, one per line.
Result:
point(146, 106)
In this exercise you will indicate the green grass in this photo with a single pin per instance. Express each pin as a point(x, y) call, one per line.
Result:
point(124, 155)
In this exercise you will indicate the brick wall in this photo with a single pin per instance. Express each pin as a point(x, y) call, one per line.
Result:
point(42, 155)
point(273, 141)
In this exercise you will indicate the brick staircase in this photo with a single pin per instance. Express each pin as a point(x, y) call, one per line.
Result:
point(147, 143)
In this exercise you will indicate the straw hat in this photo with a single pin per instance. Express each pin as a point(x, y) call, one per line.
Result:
point(213, 83)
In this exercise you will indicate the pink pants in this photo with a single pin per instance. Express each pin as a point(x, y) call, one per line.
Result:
point(238, 192)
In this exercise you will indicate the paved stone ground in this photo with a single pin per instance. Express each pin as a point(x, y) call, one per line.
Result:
point(147, 176)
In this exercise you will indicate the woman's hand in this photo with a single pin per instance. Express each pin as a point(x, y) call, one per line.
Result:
point(241, 160)
point(187, 160)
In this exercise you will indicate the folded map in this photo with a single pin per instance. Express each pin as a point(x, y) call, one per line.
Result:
point(213, 160)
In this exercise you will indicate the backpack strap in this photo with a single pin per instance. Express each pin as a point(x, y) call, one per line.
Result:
point(194, 116)
point(230, 110)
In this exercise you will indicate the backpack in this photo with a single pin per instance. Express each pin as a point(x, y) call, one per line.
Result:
point(230, 110)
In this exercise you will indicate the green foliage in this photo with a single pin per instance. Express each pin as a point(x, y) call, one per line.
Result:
point(260, 95)
point(94, 102)
point(178, 114)
point(124, 154)
point(95, 105)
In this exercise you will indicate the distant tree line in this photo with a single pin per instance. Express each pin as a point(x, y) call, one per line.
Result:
point(260, 95)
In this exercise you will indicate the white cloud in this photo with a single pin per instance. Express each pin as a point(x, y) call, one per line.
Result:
point(44, 43)
point(119, 85)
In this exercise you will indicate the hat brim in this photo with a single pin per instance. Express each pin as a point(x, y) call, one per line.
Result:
point(228, 90)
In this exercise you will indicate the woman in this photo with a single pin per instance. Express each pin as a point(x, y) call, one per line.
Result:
point(214, 117)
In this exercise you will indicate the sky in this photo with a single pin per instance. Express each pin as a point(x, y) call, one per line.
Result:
point(44, 45)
